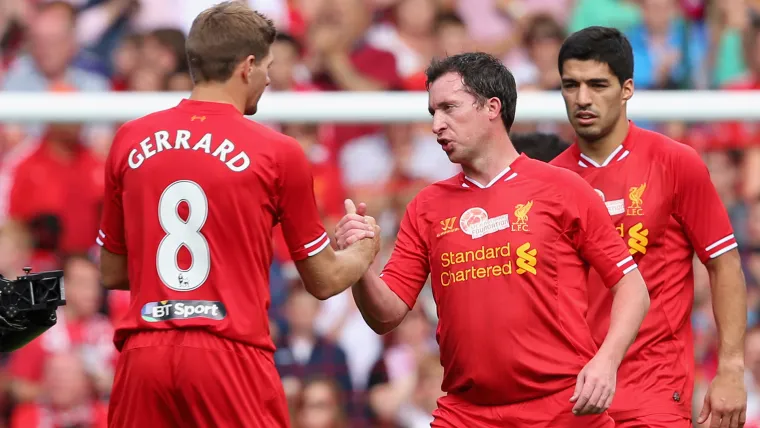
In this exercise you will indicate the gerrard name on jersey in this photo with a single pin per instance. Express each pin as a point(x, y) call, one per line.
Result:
point(184, 140)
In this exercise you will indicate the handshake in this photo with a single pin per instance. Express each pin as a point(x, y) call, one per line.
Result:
point(358, 228)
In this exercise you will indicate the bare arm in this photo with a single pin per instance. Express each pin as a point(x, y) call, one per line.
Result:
point(729, 297)
point(382, 309)
point(331, 272)
point(629, 307)
point(113, 270)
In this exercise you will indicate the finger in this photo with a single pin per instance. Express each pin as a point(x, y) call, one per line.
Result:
point(705, 413)
point(350, 207)
point(734, 420)
point(593, 405)
point(743, 417)
point(370, 220)
point(715, 419)
point(604, 399)
point(583, 398)
point(351, 217)
point(350, 237)
point(608, 403)
point(361, 209)
point(353, 225)
point(361, 234)
point(578, 386)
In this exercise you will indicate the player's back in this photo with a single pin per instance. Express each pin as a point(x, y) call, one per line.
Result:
point(201, 189)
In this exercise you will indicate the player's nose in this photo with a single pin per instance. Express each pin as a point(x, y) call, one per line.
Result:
point(438, 124)
point(583, 98)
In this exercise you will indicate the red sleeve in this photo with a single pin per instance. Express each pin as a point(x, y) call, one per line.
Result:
point(596, 238)
point(111, 233)
point(297, 208)
point(698, 207)
point(408, 268)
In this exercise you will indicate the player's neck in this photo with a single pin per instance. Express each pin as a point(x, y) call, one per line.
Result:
point(218, 93)
point(599, 150)
point(497, 156)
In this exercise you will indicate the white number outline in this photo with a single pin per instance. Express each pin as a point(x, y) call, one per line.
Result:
point(193, 230)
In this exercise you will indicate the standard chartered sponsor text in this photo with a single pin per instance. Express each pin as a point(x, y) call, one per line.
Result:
point(479, 263)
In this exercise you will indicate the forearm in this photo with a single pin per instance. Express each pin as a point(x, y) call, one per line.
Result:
point(380, 307)
point(629, 307)
point(729, 296)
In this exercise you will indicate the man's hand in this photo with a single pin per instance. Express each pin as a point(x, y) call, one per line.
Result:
point(355, 226)
point(726, 401)
point(595, 386)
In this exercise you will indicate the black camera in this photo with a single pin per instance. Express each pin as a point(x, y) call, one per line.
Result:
point(28, 306)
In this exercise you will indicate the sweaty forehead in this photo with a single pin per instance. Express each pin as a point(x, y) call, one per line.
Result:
point(447, 87)
point(586, 70)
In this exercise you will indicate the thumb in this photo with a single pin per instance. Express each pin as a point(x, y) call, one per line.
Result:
point(361, 209)
point(705, 413)
point(578, 387)
point(350, 207)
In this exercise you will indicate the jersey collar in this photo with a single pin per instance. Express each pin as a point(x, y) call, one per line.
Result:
point(617, 155)
point(207, 107)
point(507, 174)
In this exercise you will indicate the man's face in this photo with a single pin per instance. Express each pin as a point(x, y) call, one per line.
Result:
point(282, 69)
point(452, 39)
point(52, 41)
point(459, 120)
point(594, 98)
point(258, 80)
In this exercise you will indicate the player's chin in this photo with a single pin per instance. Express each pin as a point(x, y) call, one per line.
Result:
point(251, 110)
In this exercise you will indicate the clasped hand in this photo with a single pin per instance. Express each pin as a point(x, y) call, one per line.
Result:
point(356, 226)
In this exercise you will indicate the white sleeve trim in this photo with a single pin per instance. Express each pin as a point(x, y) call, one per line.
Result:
point(624, 261)
point(721, 246)
point(320, 248)
point(724, 250)
point(315, 242)
point(630, 268)
point(719, 241)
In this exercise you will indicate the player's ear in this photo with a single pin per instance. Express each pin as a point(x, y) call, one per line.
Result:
point(247, 67)
point(493, 105)
point(627, 90)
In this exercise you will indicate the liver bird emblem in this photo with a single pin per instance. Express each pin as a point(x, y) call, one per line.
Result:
point(521, 212)
point(635, 194)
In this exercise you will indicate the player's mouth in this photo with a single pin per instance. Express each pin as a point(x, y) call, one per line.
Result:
point(585, 118)
point(446, 145)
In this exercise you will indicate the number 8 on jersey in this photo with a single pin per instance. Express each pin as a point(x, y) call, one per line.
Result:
point(181, 233)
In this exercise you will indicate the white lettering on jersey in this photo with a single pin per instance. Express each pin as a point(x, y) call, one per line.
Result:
point(161, 141)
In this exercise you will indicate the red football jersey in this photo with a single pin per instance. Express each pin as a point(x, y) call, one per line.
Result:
point(664, 206)
point(508, 264)
point(192, 194)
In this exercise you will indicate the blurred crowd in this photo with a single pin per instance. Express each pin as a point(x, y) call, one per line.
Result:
point(336, 372)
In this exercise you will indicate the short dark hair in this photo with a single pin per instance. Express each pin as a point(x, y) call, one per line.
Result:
point(484, 76)
point(538, 145)
point(290, 40)
point(224, 35)
point(602, 44)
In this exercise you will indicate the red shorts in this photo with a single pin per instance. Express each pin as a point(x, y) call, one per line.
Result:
point(548, 412)
point(190, 378)
point(655, 421)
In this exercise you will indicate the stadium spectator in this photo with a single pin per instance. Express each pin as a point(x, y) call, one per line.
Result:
point(321, 405)
point(66, 398)
point(61, 179)
point(302, 352)
point(80, 329)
